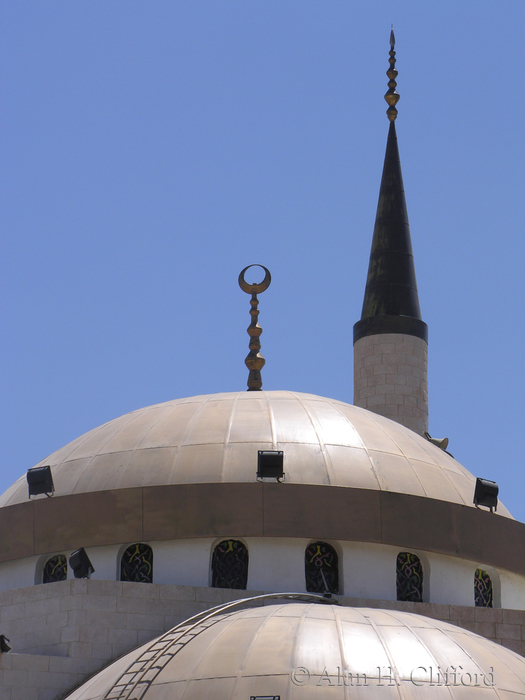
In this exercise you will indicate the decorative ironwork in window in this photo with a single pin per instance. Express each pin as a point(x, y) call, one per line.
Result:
point(321, 568)
point(55, 569)
point(229, 565)
point(409, 577)
point(137, 564)
point(483, 593)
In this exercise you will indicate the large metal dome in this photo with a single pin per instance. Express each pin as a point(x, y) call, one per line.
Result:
point(311, 652)
point(215, 438)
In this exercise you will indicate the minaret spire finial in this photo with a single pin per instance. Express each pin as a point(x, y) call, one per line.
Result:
point(254, 361)
point(392, 96)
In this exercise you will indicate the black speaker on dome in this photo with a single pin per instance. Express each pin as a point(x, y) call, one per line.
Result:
point(81, 564)
point(40, 480)
point(486, 493)
point(270, 464)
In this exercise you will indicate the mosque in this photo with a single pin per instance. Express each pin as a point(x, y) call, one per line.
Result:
point(270, 545)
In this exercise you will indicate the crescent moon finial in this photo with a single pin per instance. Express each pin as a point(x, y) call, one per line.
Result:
point(255, 288)
point(254, 361)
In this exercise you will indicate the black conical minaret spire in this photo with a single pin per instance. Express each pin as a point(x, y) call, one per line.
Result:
point(391, 302)
point(390, 340)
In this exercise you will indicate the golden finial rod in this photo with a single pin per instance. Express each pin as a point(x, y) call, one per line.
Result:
point(392, 96)
point(254, 360)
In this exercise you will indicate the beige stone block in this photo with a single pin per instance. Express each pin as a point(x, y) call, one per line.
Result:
point(410, 401)
point(101, 650)
point(79, 586)
point(170, 592)
point(514, 645)
point(140, 590)
point(104, 603)
point(93, 634)
point(51, 693)
point(462, 612)
point(6, 661)
point(25, 693)
point(15, 677)
point(189, 608)
point(27, 662)
point(210, 595)
point(70, 634)
point(25, 595)
point(29, 624)
point(489, 615)
point(122, 636)
point(138, 621)
point(372, 360)
point(60, 664)
point(6, 598)
point(485, 629)
point(45, 606)
point(436, 611)
point(81, 649)
point(171, 621)
point(513, 617)
point(96, 618)
point(138, 605)
point(387, 349)
point(77, 617)
point(506, 631)
point(104, 588)
point(57, 619)
point(71, 602)
point(394, 400)
point(376, 401)
point(145, 636)
point(45, 637)
point(58, 589)
point(12, 612)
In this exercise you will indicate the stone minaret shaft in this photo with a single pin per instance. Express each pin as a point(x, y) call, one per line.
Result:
point(390, 340)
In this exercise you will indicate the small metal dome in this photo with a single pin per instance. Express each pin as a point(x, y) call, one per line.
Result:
point(311, 651)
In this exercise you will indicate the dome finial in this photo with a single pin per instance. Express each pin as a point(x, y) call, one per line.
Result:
point(254, 360)
point(392, 96)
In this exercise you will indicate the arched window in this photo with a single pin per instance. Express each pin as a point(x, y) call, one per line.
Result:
point(409, 576)
point(321, 568)
point(55, 569)
point(229, 565)
point(483, 593)
point(137, 564)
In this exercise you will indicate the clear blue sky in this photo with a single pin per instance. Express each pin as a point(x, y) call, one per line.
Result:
point(152, 149)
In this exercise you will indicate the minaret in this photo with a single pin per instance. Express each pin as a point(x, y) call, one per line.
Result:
point(390, 340)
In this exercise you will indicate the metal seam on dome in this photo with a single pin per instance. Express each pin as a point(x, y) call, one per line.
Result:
point(255, 637)
point(364, 447)
point(340, 638)
point(380, 427)
point(324, 451)
point(189, 426)
point(391, 660)
point(164, 409)
point(226, 441)
point(415, 635)
point(271, 415)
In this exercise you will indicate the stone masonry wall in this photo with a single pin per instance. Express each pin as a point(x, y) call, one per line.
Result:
point(61, 633)
point(391, 378)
